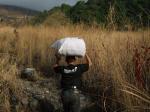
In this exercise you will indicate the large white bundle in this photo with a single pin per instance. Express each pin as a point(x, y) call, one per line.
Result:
point(70, 46)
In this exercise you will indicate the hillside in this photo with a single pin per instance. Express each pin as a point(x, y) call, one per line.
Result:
point(116, 14)
point(53, 17)
point(15, 15)
point(8, 10)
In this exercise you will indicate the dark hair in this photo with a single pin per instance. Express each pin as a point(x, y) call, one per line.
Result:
point(70, 59)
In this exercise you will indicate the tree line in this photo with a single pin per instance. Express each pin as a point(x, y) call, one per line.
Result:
point(107, 12)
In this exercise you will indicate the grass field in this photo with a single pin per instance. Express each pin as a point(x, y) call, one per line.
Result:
point(119, 77)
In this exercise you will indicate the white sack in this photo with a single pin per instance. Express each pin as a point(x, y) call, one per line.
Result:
point(70, 46)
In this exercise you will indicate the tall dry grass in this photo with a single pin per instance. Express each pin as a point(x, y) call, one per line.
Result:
point(8, 82)
point(113, 74)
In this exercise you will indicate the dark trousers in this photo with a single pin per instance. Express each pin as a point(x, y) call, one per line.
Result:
point(71, 100)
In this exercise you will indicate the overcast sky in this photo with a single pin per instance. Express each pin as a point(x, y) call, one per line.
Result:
point(37, 4)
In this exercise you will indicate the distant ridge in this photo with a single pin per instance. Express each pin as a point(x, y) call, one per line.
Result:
point(9, 10)
point(15, 16)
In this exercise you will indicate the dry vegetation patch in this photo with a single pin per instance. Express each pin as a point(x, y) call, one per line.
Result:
point(116, 76)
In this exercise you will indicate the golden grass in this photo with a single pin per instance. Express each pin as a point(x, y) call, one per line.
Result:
point(8, 81)
point(112, 54)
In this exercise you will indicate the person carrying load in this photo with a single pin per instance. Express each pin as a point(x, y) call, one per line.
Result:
point(72, 72)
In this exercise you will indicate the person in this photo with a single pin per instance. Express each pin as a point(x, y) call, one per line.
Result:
point(71, 81)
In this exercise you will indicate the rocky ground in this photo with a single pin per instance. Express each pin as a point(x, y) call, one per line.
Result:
point(39, 94)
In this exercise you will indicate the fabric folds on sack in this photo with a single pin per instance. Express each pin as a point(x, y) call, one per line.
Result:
point(70, 46)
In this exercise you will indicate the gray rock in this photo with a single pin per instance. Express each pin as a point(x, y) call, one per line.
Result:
point(29, 74)
point(41, 94)
point(84, 101)
point(24, 101)
point(33, 104)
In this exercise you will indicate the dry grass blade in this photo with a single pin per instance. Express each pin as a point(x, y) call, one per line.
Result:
point(136, 95)
point(111, 52)
point(138, 92)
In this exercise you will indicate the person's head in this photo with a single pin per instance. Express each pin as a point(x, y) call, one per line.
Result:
point(70, 59)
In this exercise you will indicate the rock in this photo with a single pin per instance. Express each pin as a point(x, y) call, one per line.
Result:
point(14, 101)
point(33, 104)
point(29, 74)
point(46, 106)
point(47, 92)
point(24, 101)
point(84, 101)
point(42, 95)
point(94, 108)
point(38, 97)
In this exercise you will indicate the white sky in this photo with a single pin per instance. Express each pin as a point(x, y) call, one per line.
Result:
point(37, 4)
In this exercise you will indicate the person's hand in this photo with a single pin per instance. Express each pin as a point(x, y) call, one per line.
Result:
point(88, 60)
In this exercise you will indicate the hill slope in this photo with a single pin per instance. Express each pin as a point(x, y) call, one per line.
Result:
point(8, 10)
point(16, 16)
point(117, 14)
point(54, 17)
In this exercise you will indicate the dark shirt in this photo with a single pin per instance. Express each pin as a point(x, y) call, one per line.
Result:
point(71, 74)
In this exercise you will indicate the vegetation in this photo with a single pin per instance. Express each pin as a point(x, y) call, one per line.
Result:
point(118, 80)
point(120, 12)
point(108, 13)
point(39, 18)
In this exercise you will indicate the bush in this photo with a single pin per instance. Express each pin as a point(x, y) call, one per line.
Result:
point(39, 18)
point(118, 13)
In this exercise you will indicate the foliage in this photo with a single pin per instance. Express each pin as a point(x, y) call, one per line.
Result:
point(104, 12)
point(121, 62)
point(40, 18)
point(122, 12)
point(66, 9)
point(56, 18)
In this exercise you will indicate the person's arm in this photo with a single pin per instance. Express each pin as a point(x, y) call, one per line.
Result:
point(87, 63)
point(88, 60)
point(58, 58)
point(57, 68)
